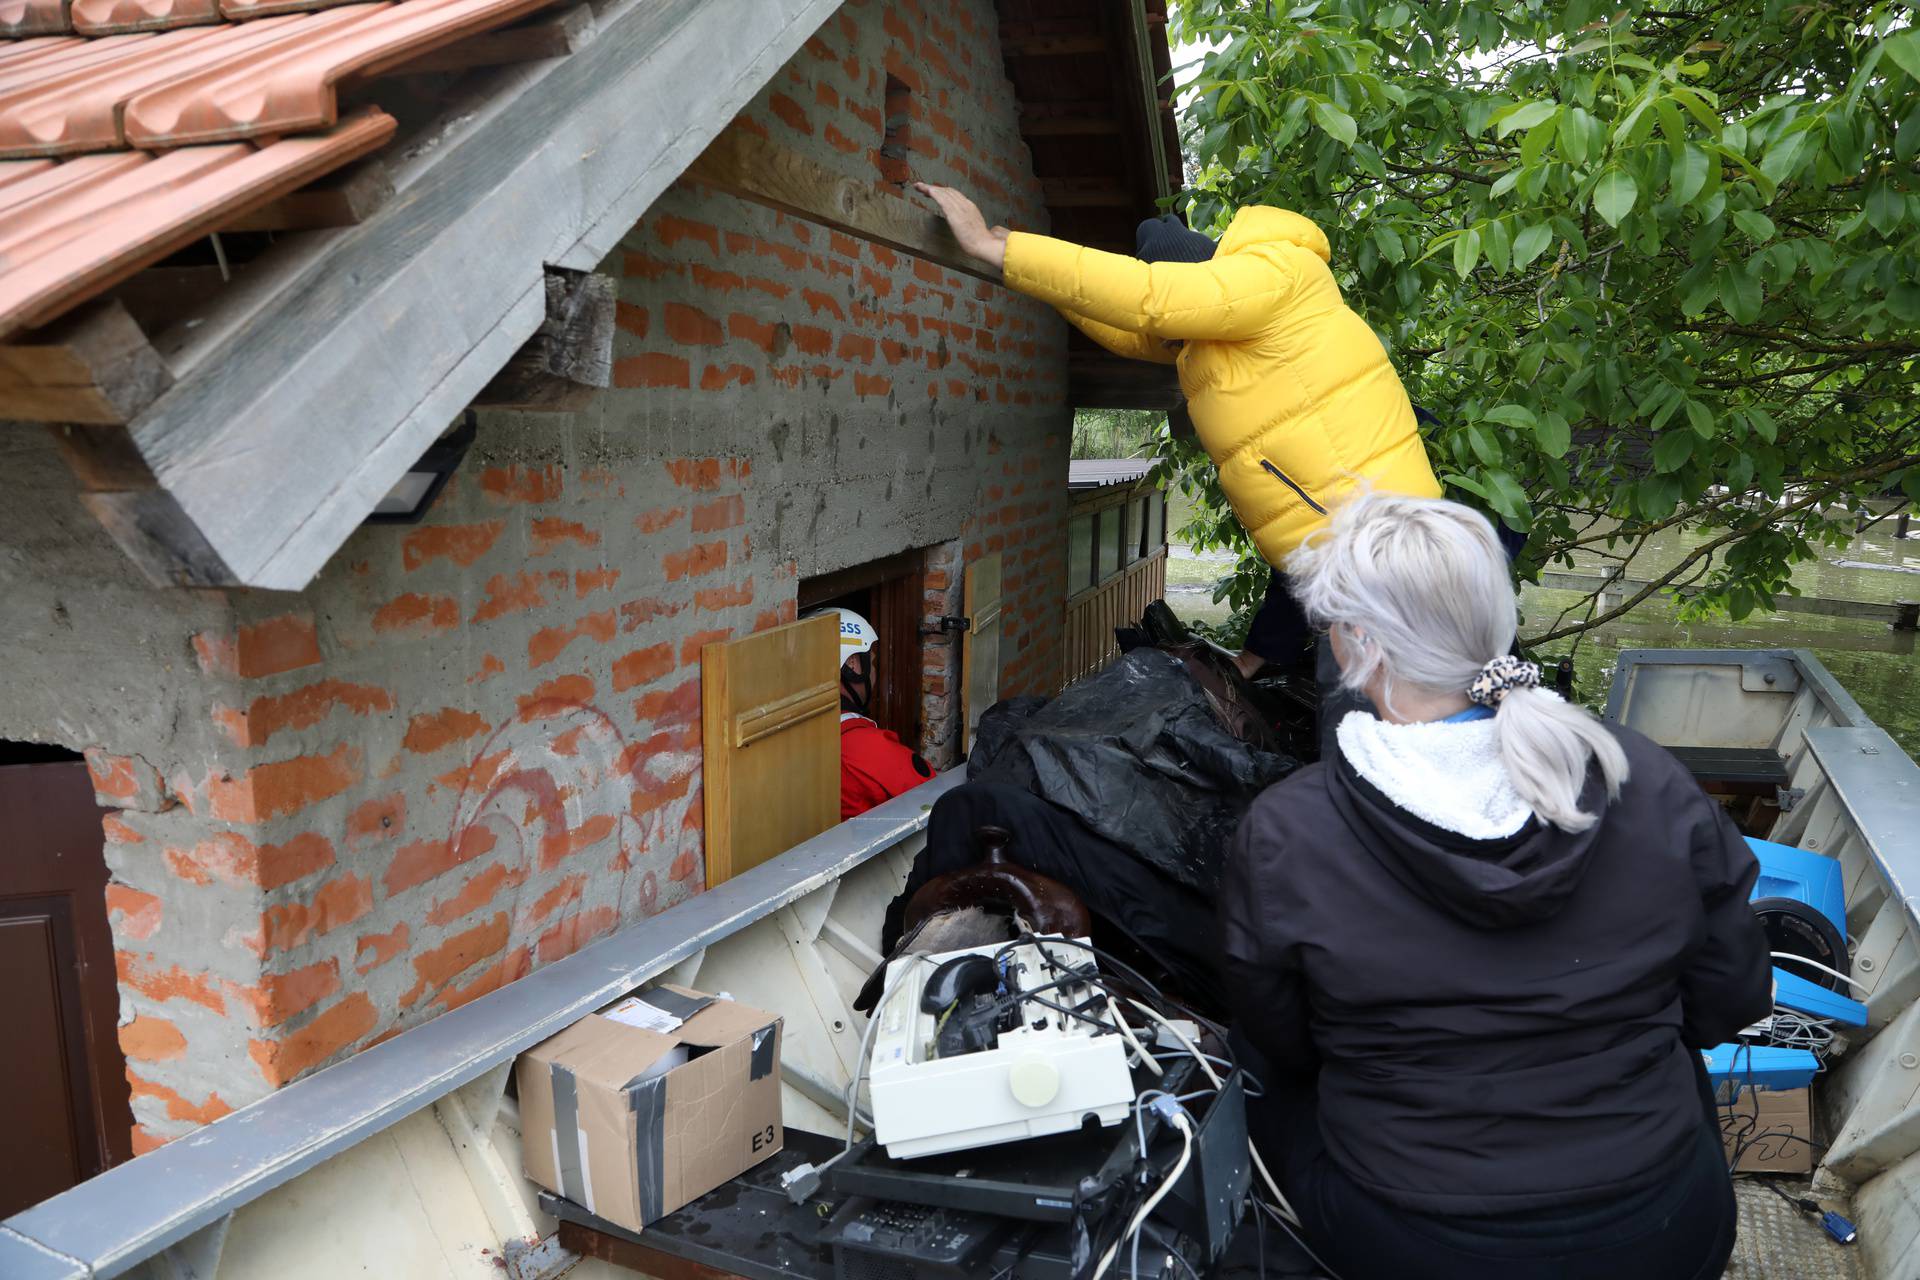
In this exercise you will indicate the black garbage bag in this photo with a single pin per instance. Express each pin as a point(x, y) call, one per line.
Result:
point(1140, 755)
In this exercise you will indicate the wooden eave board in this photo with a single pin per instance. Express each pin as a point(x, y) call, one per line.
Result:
point(298, 406)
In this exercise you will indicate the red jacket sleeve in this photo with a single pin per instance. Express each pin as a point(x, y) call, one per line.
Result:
point(875, 766)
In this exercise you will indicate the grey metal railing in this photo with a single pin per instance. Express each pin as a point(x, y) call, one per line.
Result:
point(115, 1221)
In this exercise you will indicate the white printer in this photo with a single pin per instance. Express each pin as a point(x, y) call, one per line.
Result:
point(993, 1044)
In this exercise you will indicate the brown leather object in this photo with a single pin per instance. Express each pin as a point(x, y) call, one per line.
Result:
point(1044, 903)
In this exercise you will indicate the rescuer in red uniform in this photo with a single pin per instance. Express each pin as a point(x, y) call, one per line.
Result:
point(874, 764)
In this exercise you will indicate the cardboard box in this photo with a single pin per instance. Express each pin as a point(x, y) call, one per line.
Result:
point(1771, 1128)
point(633, 1111)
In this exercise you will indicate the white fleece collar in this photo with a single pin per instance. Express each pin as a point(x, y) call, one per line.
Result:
point(1448, 774)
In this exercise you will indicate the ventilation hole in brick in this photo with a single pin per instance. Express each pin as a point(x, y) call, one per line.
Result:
point(897, 142)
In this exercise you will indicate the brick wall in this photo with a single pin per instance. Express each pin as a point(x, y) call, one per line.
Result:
point(472, 746)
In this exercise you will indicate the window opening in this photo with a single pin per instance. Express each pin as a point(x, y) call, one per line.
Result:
point(889, 594)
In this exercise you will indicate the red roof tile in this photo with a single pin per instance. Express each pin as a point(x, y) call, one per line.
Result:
point(82, 226)
point(291, 87)
point(33, 17)
point(111, 17)
point(16, 53)
point(71, 101)
point(173, 118)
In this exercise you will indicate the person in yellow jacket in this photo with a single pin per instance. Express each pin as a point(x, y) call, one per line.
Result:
point(1291, 393)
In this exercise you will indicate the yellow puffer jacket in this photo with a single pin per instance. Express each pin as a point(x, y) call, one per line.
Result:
point(1291, 392)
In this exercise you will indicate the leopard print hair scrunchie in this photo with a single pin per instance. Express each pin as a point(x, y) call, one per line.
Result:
point(1504, 673)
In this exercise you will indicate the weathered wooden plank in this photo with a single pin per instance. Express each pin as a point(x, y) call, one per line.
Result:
point(1021, 43)
point(570, 357)
point(554, 36)
point(1068, 119)
point(159, 538)
point(301, 402)
point(102, 458)
point(95, 366)
point(754, 168)
point(1087, 193)
point(345, 199)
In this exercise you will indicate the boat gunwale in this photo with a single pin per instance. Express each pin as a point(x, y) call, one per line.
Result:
point(118, 1219)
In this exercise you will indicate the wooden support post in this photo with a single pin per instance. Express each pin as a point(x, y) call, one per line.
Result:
point(569, 358)
point(95, 367)
point(764, 172)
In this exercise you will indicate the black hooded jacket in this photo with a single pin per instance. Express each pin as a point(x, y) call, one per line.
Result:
point(1496, 1025)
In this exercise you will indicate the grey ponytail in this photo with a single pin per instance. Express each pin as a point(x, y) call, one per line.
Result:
point(1421, 588)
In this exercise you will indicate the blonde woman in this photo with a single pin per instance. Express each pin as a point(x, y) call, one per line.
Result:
point(1477, 948)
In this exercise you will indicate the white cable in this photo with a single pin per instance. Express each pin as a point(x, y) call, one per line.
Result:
point(1815, 964)
point(860, 1066)
point(1185, 1127)
point(1279, 1197)
point(1126, 1033)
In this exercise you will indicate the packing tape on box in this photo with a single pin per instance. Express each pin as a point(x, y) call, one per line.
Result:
point(672, 1002)
point(761, 1064)
point(569, 1140)
point(647, 1098)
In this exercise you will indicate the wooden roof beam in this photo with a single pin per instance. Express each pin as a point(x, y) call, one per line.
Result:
point(93, 366)
point(345, 199)
point(570, 357)
point(1033, 40)
point(334, 361)
point(743, 164)
point(1068, 119)
point(1086, 193)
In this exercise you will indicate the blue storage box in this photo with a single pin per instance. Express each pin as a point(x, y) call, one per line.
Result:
point(1786, 872)
point(1793, 992)
point(1733, 1067)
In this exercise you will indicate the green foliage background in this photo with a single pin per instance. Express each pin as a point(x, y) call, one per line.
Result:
point(1647, 263)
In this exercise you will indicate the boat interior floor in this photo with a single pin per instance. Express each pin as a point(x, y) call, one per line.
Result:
point(1779, 1242)
point(747, 1228)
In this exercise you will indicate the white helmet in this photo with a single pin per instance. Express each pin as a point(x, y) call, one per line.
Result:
point(856, 633)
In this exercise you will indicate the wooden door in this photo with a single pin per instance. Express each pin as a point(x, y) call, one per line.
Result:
point(63, 1086)
point(897, 610)
point(980, 654)
point(770, 729)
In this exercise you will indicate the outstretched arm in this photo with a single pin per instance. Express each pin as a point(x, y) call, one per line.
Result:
point(1229, 297)
point(1123, 342)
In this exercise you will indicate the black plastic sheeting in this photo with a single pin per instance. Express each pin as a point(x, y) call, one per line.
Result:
point(1139, 755)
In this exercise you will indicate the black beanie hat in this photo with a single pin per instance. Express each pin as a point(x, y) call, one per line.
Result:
point(1167, 239)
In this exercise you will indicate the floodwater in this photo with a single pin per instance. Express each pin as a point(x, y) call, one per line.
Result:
point(1876, 664)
